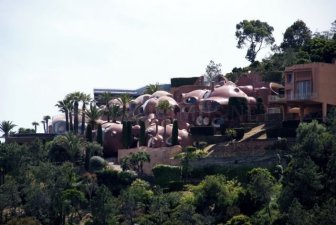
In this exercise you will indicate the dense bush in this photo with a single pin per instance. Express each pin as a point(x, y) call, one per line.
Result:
point(23, 220)
point(273, 76)
point(165, 174)
point(114, 180)
point(97, 163)
point(239, 220)
point(92, 149)
point(238, 172)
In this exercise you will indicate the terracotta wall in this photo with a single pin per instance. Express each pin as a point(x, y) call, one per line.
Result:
point(326, 76)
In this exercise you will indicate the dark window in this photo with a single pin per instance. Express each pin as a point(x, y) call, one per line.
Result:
point(289, 78)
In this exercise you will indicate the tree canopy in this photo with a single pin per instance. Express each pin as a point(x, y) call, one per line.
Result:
point(256, 33)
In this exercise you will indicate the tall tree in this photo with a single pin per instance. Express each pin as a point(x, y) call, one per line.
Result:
point(333, 29)
point(114, 112)
point(93, 114)
point(6, 127)
point(261, 185)
point(255, 32)
point(175, 133)
point(142, 135)
point(164, 106)
point(296, 36)
point(100, 134)
point(64, 106)
point(104, 207)
point(212, 71)
point(321, 49)
point(46, 119)
point(124, 100)
point(44, 125)
point(75, 97)
point(35, 124)
point(151, 88)
point(105, 98)
point(85, 98)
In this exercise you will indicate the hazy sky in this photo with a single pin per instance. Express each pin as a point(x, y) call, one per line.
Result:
point(51, 48)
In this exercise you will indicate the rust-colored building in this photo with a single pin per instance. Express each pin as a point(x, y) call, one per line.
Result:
point(311, 89)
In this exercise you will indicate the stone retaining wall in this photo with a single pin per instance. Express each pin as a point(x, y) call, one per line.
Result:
point(164, 155)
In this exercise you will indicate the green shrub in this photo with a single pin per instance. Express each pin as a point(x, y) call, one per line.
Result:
point(97, 163)
point(165, 174)
point(23, 220)
point(239, 220)
point(92, 149)
point(273, 76)
point(231, 172)
point(114, 180)
point(231, 133)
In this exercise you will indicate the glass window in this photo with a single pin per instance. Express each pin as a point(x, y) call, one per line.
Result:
point(289, 78)
point(303, 89)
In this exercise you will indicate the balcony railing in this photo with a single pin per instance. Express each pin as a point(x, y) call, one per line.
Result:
point(302, 96)
point(295, 97)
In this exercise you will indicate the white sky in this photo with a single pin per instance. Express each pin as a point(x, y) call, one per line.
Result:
point(51, 48)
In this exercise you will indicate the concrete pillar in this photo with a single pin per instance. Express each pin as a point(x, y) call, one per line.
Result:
point(324, 111)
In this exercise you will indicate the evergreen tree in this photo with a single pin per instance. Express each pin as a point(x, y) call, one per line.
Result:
point(89, 136)
point(175, 133)
point(100, 134)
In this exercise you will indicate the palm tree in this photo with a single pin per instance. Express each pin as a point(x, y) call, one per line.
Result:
point(35, 124)
point(93, 114)
point(6, 127)
point(85, 98)
point(114, 112)
point(71, 107)
point(124, 100)
point(64, 106)
point(164, 106)
point(142, 157)
point(44, 127)
point(75, 98)
point(46, 119)
point(106, 97)
point(151, 88)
